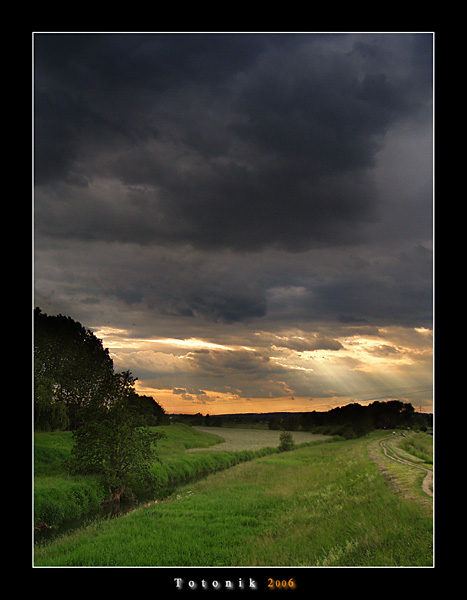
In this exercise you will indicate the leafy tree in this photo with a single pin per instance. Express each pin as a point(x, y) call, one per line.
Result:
point(392, 413)
point(48, 415)
point(70, 368)
point(150, 411)
point(111, 441)
point(73, 369)
point(76, 387)
point(286, 441)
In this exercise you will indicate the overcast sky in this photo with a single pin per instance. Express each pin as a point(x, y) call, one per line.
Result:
point(245, 220)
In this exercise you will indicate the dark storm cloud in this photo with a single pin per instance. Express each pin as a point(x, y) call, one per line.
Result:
point(96, 89)
point(371, 286)
point(239, 216)
point(219, 141)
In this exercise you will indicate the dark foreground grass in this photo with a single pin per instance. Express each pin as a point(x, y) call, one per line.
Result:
point(321, 505)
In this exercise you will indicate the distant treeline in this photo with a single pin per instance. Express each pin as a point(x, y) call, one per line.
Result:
point(72, 368)
point(350, 421)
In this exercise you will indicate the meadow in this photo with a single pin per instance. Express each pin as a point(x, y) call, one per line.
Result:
point(323, 504)
point(420, 446)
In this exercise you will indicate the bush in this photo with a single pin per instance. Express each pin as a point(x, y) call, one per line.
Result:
point(112, 444)
point(286, 441)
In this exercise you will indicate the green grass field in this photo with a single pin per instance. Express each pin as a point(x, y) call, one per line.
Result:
point(60, 498)
point(325, 504)
point(420, 446)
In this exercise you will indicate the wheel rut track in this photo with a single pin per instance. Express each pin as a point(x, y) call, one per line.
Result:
point(428, 480)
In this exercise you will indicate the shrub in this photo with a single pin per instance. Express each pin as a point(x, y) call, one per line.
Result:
point(286, 441)
point(112, 444)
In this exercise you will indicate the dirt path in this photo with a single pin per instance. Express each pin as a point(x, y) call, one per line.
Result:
point(391, 454)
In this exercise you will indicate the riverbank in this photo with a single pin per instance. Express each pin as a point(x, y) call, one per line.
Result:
point(324, 504)
point(60, 499)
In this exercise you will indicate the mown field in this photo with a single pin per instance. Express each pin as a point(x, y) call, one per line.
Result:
point(61, 499)
point(324, 504)
point(238, 439)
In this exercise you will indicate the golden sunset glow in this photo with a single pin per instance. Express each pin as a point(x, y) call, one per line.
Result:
point(393, 362)
point(117, 338)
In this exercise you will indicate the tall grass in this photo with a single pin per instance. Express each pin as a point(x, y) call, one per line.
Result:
point(320, 505)
point(419, 445)
point(50, 451)
point(59, 497)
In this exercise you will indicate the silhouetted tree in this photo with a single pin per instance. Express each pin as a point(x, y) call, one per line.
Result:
point(73, 369)
point(150, 411)
point(70, 368)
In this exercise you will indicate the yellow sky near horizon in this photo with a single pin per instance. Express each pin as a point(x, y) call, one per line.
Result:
point(290, 371)
point(218, 404)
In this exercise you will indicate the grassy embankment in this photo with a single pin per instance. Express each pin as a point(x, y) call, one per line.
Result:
point(417, 448)
point(419, 445)
point(59, 497)
point(321, 505)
